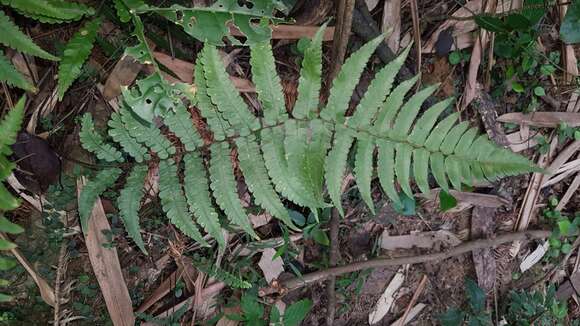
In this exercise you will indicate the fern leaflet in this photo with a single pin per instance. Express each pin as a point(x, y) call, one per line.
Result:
point(94, 142)
point(129, 144)
point(50, 11)
point(75, 54)
point(148, 135)
point(12, 37)
point(198, 197)
point(223, 185)
point(129, 202)
point(173, 201)
point(13, 77)
point(92, 190)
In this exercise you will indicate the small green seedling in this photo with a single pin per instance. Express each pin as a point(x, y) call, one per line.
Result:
point(474, 314)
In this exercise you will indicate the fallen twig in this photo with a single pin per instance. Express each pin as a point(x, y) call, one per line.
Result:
point(418, 292)
point(306, 279)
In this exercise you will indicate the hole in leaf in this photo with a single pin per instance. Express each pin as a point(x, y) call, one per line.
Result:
point(148, 101)
point(179, 15)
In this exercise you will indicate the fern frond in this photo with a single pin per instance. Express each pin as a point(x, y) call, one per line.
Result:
point(306, 159)
point(129, 203)
point(378, 90)
point(13, 77)
point(12, 37)
point(272, 141)
point(223, 186)
point(10, 125)
point(343, 85)
point(174, 203)
point(92, 190)
point(75, 53)
point(93, 142)
point(267, 83)
point(50, 11)
point(224, 95)
point(149, 136)
point(129, 144)
point(222, 275)
point(256, 177)
point(335, 165)
point(180, 123)
point(310, 78)
point(219, 126)
point(198, 197)
point(363, 170)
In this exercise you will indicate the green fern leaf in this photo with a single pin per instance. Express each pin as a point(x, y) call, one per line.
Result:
point(174, 203)
point(448, 145)
point(335, 165)
point(391, 106)
point(426, 122)
point(437, 163)
point(198, 197)
point(402, 166)
point(272, 141)
point(50, 11)
point(94, 142)
point(13, 77)
point(224, 95)
point(378, 90)
point(219, 126)
point(343, 85)
point(256, 177)
point(363, 170)
point(310, 78)
point(12, 37)
point(386, 170)
point(306, 159)
point(92, 190)
point(7, 226)
point(267, 83)
point(223, 185)
point(10, 125)
point(75, 53)
point(180, 123)
point(409, 112)
point(129, 203)
point(129, 144)
point(421, 169)
point(222, 275)
point(150, 136)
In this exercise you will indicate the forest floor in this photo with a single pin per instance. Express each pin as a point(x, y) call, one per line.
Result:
point(500, 80)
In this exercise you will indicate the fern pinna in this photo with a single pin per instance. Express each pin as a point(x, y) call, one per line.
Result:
point(298, 153)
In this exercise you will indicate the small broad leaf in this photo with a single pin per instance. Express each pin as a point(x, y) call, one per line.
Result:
point(296, 312)
point(446, 201)
point(251, 307)
point(475, 295)
point(7, 263)
point(490, 23)
point(452, 317)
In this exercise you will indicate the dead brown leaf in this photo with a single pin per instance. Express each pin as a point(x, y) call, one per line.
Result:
point(106, 265)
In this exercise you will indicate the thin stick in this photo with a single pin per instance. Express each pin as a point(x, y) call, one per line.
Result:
point(341, 35)
point(414, 298)
point(333, 260)
point(463, 248)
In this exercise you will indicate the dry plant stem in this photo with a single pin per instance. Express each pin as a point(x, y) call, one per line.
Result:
point(310, 278)
point(414, 299)
point(416, 33)
point(341, 35)
point(59, 271)
point(333, 260)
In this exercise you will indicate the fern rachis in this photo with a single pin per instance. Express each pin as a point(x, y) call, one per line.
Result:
point(296, 155)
